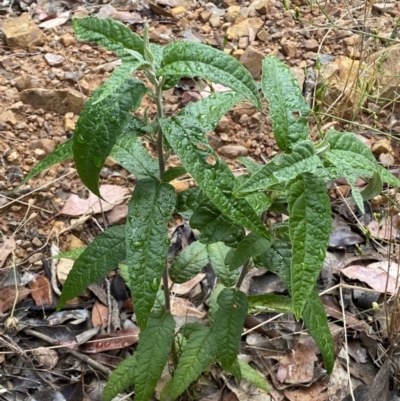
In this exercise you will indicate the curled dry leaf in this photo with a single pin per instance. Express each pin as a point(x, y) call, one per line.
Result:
point(41, 293)
point(5, 249)
point(113, 195)
point(78, 316)
point(8, 294)
point(52, 23)
point(182, 307)
point(106, 342)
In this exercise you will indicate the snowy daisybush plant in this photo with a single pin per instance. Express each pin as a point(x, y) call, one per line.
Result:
point(220, 206)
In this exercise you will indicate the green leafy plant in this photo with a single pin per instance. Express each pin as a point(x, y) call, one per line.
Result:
point(221, 206)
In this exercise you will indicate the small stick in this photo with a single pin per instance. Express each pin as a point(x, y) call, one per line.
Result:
point(84, 358)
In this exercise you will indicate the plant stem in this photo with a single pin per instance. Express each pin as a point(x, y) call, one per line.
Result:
point(160, 136)
point(161, 167)
point(243, 273)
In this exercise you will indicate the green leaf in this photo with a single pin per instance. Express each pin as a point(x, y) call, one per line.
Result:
point(213, 176)
point(207, 112)
point(132, 156)
point(217, 253)
point(250, 246)
point(234, 370)
point(100, 257)
point(152, 353)
point(374, 187)
point(251, 165)
point(117, 79)
point(122, 378)
point(352, 159)
point(253, 376)
point(110, 34)
point(314, 317)
point(277, 260)
point(197, 354)
point(189, 59)
point(228, 325)
point(214, 303)
point(309, 229)
point(270, 303)
point(99, 126)
point(72, 254)
point(287, 107)
point(147, 242)
point(172, 173)
point(260, 201)
point(189, 200)
point(189, 262)
point(59, 154)
point(214, 226)
point(303, 159)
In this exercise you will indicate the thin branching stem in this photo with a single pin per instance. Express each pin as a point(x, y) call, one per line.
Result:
point(243, 273)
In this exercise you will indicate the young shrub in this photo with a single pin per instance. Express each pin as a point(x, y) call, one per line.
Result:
point(221, 207)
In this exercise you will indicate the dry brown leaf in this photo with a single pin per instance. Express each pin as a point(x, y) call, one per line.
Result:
point(115, 340)
point(113, 195)
point(7, 296)
point(184, 288)
point(335, 311)
point(338, 383)
point(160, 11)
point(316, 392)
point(99, 314)
point(6, 249)
point(52, 23)
point(374, 275)
point(299, 365)
point(41, 293)
point(182, 307)
point(383, 230)
point(64, 266)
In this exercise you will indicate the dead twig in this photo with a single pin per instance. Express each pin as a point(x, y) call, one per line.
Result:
point(82, 357)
